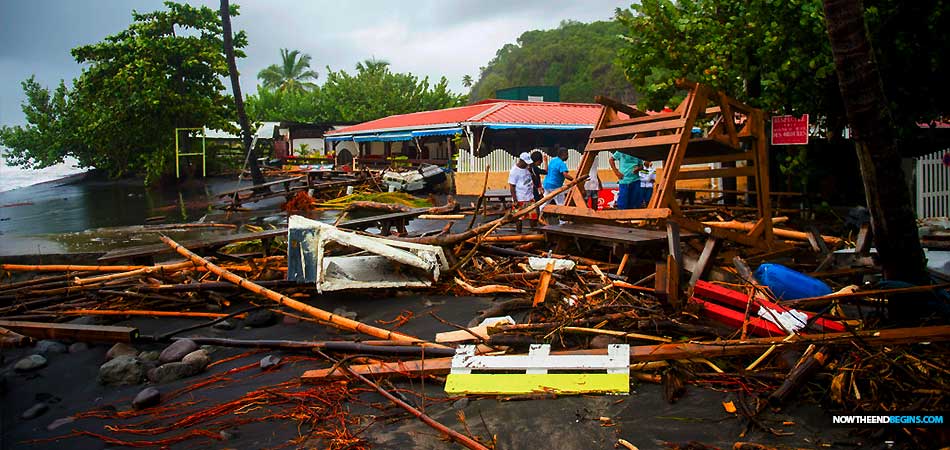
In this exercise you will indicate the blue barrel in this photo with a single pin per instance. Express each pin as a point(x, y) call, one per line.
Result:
point(788, 284)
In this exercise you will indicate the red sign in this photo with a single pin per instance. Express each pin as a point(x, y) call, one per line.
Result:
point(790, 130)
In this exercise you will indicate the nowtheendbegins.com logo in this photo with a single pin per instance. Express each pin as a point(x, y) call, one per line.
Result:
point(889, 419)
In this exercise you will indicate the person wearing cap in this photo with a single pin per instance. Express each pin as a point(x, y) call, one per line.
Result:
point(522, 187)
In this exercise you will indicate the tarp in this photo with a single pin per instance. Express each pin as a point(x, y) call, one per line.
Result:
point(437, 132)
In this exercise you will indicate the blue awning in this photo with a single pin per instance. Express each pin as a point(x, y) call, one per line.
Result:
point(535, 126)
point(385, 137)
point(345, 137)
point(437, 132)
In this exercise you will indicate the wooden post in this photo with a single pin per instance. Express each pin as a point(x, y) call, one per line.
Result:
point(543, 283)
point(707, 255)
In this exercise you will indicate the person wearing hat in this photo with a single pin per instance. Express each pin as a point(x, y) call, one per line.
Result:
point(522, 187)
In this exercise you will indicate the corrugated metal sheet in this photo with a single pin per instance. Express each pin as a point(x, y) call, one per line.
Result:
point(448, 117)
point(545, 113)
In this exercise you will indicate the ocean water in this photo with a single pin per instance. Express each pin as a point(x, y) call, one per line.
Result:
point(17, 177)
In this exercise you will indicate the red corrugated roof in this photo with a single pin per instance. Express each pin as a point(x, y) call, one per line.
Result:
point(449, 117)
point(486, 111)
point(545, 113)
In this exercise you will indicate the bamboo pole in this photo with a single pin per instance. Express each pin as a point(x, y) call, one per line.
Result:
point(66, 268)
point(133, 273)
point(780, 232)
point(139, 312)
point(450, 433)
point(281, 299)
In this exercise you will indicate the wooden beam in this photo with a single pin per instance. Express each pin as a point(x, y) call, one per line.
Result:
point(726, 172)
point(674, 351)
point(633, 143)
point(81, 333)
point(646, 119)
point(744, 156)
point(639, 128)
point(618, 214)
point(619, 106)
point(705, 257)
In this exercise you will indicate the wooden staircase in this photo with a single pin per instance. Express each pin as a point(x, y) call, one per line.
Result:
point(733, 132)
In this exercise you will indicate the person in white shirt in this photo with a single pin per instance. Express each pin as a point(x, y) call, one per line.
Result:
point(522, 187)
point(592, 186)
point(647, 178)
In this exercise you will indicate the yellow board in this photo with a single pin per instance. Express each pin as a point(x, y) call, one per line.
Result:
point(520, 383)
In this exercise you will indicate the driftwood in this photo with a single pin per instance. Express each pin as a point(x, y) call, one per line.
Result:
point(377, 206)
point(452, 239)
point(488, 289)
point(367, 347)
point(448, 432)
point(281, 299)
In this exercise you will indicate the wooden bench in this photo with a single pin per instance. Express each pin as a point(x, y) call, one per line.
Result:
point(385, 222)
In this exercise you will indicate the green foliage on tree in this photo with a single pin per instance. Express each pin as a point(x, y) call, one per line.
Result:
point(136, 86)
point(776, 55)
point(578, 57)
point(373, 91)
point(292, 74)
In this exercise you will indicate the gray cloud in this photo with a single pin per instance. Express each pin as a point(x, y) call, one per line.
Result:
point(427, 37)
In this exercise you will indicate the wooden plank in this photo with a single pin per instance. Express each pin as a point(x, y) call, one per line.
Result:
point(863, 242)
point(736, 319)
point(553, 383)
point(639, 128)
point(608, 233)
point(155, 249)
point(255, 187)
point(704, 258)
point(81, 333)
point(634, 143)
point(613, 214)
point(673, 238)
point(619, 106)
point(673, 281)
point(674, 351)
point(540, 357)
point(744, 156)
point(371, 221)
point(636, 120)
point(727, 172)
point(726, 296)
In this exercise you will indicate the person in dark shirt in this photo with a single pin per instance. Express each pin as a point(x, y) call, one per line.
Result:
point(536, 172)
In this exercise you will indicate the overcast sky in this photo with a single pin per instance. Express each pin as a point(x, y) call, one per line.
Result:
point(425, 37)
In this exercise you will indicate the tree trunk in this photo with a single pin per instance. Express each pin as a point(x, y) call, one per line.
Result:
point(888, 198)
point(256, 176)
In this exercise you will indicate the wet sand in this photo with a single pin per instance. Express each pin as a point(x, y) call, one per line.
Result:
point(643, 418)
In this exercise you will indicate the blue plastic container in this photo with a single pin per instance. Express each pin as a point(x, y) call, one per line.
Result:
point(788, 284)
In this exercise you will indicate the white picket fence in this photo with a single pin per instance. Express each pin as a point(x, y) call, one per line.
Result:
point(501, 161)
point(933, 186)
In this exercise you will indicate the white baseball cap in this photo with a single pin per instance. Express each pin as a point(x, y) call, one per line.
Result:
point(526, 157)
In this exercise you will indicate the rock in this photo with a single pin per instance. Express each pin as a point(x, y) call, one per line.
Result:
point(460, 403)
point(166, 373)
point(77, 347)
point(149, 356)
point(269, 362)
point(227, 435)
point(602, 341)
point(177, 350)
point(147, 398)
point(29, 363)
point(47, 346)
point(223, 325)
point(34, 411)
point(260, 318)
point(121, 371)
point(121, 349)
point(198, 359)
point(343, 312)
point(287, 320)
point(60, 422)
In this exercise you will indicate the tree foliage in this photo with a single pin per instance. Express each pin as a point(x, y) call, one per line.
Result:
point(136, 86)
point(373, 91)
point(578, 57)
point(292, 74)
point(776, 55)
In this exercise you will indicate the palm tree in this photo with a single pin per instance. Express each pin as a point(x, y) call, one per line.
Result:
point(467, 81)
point(256, 176)
point(293, 74)
point(892, 216)
point(372, 65)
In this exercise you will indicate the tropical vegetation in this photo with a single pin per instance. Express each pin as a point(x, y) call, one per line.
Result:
point(292, 74)
point(137, 86)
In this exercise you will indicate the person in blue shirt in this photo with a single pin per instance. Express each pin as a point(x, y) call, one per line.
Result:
point(625, 167)
point(557, 173)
